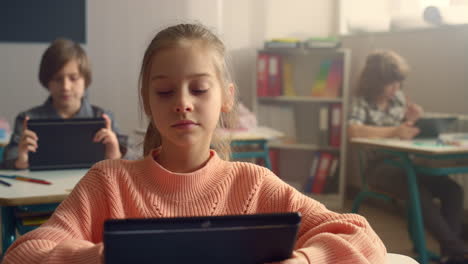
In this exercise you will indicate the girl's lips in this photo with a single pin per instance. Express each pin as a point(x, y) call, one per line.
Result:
point(184, 124)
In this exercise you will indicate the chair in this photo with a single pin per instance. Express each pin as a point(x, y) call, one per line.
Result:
point(367, 191)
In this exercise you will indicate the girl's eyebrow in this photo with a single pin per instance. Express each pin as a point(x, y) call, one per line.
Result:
point(191, 76)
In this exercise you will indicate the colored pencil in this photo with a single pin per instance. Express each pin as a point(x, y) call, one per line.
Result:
point(27, 179)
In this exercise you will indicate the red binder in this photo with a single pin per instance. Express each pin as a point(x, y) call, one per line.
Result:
point(262, 74)
point(322, 172)
point(274, 75)
point(335, 124)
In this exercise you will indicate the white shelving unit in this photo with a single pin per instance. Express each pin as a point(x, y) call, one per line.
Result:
point(298, 118)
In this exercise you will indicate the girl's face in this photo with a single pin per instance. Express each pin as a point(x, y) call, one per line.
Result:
point(391, 89)
point(67, 87)
point(185, 95)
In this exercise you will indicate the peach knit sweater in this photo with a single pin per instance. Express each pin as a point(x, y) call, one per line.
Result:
point(123, 189)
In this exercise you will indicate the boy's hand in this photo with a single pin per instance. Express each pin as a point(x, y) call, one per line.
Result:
point(406, 131)
point(109, 139)
point(413, 112)
point(28, 142)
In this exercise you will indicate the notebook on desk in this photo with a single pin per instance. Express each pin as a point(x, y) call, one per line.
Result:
point(66, 144)
point(432, 127)
point(247, 239)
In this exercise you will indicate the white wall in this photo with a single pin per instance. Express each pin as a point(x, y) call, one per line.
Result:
point(119, 30)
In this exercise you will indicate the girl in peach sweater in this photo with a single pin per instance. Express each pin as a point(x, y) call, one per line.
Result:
point(186, 92)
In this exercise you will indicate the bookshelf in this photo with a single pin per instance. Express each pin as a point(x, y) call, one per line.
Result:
point(303, 92)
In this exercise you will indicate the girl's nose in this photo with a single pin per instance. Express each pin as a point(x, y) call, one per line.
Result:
point(181, 109)
point(184, 103)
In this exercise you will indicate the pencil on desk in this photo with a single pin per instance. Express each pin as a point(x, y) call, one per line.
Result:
point(27, 179)
point(5, 183)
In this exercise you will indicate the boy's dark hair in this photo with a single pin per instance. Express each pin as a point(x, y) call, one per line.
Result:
point(60, 52)
point(382, 67)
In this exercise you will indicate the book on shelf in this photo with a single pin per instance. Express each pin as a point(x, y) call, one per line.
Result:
point(336, 117)
point(323, 125)
point(321, 174)
point(320, 83)
point(322, 42)
point(329, 79)
point(282, 43)
point(334, 79)
point(288, 83)
point(333, 178)
point(262, 74)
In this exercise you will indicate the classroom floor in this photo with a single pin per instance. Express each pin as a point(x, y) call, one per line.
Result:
point(389, 222)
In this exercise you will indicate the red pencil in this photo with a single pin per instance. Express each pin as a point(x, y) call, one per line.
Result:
point(22, 178)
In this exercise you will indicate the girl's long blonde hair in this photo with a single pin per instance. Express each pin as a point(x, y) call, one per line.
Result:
point(382, 67)
point(171, 37)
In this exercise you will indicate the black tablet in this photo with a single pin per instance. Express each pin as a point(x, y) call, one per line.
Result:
point(432, 127)
point(66, 143)
point(232, 239)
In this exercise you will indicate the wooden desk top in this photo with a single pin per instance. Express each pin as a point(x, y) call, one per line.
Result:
point(27, 193)
point(427, 146)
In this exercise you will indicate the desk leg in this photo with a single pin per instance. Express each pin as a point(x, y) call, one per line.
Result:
point(8, 227)
point(415, 207)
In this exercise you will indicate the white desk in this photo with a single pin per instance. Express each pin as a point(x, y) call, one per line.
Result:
point(27, 193)
point(22, 193)
point(422, 146)
point(408, 152)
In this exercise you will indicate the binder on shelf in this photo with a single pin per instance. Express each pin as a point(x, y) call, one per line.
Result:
point(322, 172)
point(333, 178)
point(320, 83)
point(274, 160)
point(336, 117)
point(274, 75)
point(288, 84)
point(323, 124)
point(312, 172)
point(262, 74)
point(334, 79)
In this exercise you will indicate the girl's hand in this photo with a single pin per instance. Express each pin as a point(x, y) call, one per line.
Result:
point(28, 142)
point(413, 112)
point(406, 131)
point(109, 139)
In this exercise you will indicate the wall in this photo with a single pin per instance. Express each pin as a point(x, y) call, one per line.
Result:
point(119, 30)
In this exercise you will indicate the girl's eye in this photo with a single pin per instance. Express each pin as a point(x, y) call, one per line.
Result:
point(163, 93)
point(199, 91)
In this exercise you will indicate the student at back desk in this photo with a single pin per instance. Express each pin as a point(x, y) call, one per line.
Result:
point(66, 73)
point(381, 110)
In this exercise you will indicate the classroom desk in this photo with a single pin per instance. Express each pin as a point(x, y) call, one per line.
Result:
point(257, 137)
point(22, 193)
point(408, 152)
